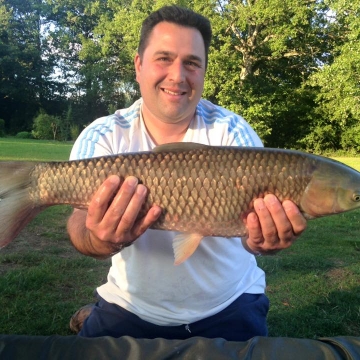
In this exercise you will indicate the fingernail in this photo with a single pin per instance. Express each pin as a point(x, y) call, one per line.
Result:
point(141, 190)
point(289, 206)
point(114, 180)
point(132, 181)
point(270, 199)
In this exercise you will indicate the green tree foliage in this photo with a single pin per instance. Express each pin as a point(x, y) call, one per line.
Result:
point(338, 83)
point(291, 68)
point(26, 63)
point(89, 73)
point(262, 53)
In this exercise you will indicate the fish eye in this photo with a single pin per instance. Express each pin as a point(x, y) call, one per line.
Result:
point(356, 197)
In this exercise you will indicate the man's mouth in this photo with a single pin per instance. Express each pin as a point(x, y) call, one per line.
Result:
point(175, 93)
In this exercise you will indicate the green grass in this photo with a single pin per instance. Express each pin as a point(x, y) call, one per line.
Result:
point(314, 286)
point(34, 150)
point(354, 162)
point(43, 279)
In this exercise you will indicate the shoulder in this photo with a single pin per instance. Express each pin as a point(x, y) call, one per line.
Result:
point(97, 139)
point(239, 132)
point(125, 117)
point(122, 118)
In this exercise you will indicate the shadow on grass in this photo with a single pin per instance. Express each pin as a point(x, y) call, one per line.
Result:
point(336, 314)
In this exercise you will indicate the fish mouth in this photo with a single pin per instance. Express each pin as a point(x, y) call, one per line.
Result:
point(173, 92)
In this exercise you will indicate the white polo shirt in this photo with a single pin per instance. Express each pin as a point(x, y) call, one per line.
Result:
point(143, 278)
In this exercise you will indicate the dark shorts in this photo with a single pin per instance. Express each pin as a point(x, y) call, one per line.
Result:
point(240, 321)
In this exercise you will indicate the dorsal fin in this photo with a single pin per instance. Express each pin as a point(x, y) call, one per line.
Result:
point(179, 146)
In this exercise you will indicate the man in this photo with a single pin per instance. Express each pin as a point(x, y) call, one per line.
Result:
point(219, 290)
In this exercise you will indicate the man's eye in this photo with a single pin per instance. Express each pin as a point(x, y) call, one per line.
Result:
point(192, 64)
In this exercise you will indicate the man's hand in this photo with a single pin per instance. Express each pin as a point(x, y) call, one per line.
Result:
point(273, 226)
point(111, 222)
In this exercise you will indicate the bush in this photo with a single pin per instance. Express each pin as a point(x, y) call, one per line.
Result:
point(24, 135)
point(46, 126)
point(74, 132)
point(321, 138)
point(350, 138)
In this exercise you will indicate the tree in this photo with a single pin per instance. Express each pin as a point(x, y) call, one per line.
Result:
point(338, 82)
point(291, 68)
point(83, 67)
point(26, 64)
point(262, 53)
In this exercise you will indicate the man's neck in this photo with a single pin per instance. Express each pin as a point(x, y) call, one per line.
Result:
point(164, 133)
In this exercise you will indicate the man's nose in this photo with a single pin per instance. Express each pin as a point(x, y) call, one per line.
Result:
point(177, 72)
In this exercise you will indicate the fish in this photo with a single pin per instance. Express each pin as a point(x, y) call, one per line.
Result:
point(202, 190)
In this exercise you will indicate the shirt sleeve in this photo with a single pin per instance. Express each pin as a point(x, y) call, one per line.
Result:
point(95, 140)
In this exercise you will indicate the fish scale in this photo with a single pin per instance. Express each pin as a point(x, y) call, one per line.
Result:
point(203, 190)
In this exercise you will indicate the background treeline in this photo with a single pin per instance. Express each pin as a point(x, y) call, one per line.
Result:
point(291, 68)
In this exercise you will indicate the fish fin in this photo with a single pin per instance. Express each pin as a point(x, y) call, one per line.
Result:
point(179, 146)
point(16, 207)
point(184, 245)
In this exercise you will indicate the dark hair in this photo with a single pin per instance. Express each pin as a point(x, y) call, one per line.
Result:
point(176, 15)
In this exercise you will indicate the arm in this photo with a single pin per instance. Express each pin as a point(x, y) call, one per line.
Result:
point(111, 223)
point(273, 226)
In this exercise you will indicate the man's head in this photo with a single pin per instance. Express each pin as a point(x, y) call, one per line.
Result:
point(176, 15)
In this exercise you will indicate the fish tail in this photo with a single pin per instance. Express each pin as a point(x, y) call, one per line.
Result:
point(16, 206)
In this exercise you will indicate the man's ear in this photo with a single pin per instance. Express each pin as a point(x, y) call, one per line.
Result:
point(137, 64)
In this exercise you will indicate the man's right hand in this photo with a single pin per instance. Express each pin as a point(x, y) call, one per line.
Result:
point(111, 221)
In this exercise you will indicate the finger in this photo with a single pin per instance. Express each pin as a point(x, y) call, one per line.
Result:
point(267, 225)
point(253, 242)
point(254, 229)
point(149, 219)
point(282, 229)
point(296, 218)
point(132, 210)
point(120, 202)
point(100, 201)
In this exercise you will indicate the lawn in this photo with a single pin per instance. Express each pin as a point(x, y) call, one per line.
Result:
point(314, 286)
point(34, 150)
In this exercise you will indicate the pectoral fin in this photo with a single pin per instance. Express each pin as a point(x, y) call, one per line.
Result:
point(184, 246)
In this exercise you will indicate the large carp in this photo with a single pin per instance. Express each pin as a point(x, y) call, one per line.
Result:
point(202, 190)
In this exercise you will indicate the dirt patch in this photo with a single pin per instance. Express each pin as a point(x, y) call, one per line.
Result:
point(38, 241)
point(338, 274)
point(30, 240)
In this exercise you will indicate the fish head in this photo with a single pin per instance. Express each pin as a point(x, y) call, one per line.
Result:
point(334, 188)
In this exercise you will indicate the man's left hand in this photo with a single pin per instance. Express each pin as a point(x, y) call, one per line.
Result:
point(273, 226)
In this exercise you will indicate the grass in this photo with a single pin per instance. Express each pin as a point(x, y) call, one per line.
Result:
point(314, 286)
point(34, 150)
point(354, 162)
point(43, 279)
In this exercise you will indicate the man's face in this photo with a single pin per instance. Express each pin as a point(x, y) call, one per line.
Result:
point(171, 73)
